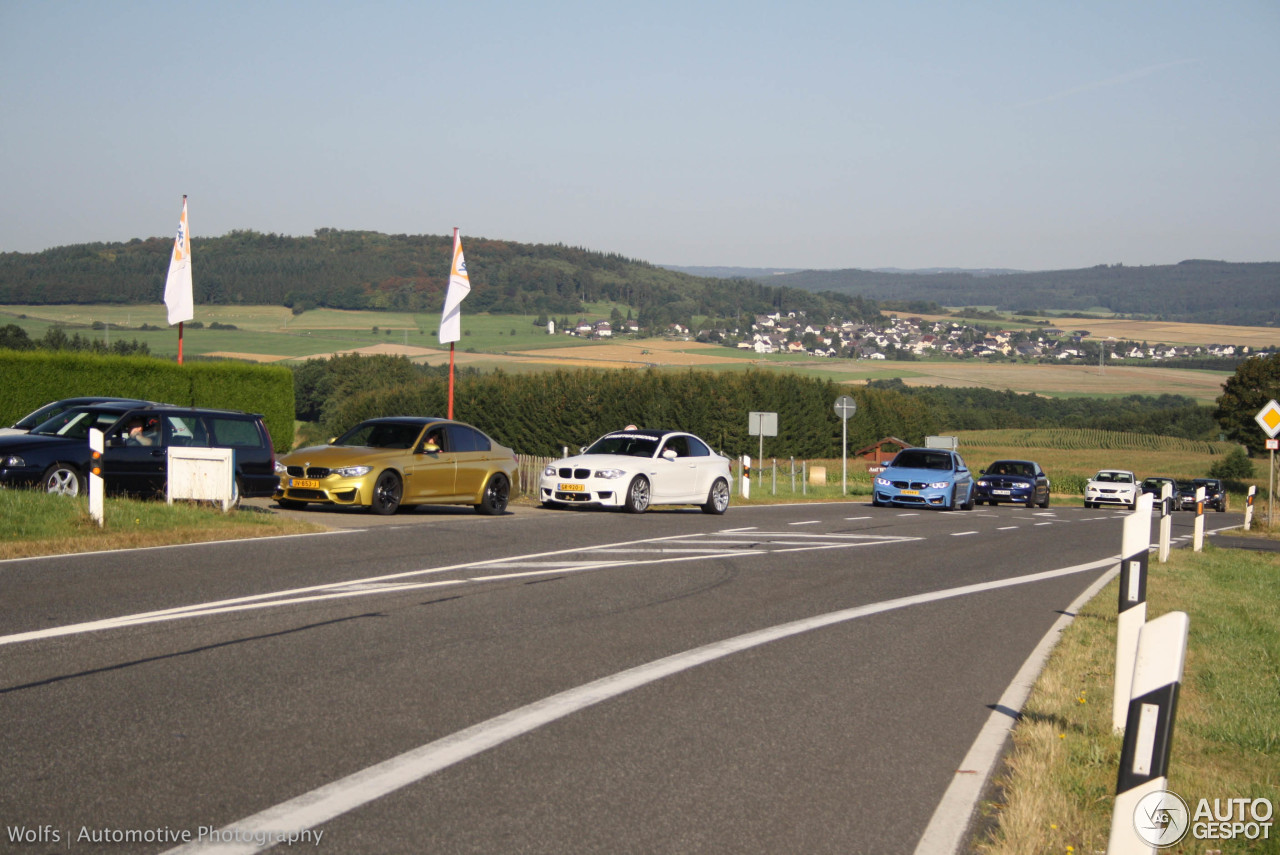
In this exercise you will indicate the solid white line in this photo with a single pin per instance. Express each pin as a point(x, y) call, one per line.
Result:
point(950, 820)
point(334, 799)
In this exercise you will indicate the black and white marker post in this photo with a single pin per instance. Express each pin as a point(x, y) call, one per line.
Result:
point(1135, 543)
point(1166, 519)
point(1197, 538)
point(1146, 815)
point(1248, 508)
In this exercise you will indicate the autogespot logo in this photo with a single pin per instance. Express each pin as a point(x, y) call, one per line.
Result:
point(1161, 818)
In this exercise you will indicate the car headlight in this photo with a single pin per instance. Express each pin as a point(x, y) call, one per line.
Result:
point(610, 474)
point(938, 485)
point(352, 471)
point(883, 482)
point(982, 482)
point(13, 461)
point(281, 469)
point(550, 470)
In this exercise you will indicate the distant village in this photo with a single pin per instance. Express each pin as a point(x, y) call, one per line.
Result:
point(911, 338)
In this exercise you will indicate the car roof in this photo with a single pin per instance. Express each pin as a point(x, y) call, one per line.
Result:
point(415, 420)
point(172, 409)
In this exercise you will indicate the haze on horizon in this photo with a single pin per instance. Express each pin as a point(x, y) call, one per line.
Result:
point(755, 134)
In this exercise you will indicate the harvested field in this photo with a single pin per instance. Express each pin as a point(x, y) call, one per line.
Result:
point(639, 354)
point(1152, 332)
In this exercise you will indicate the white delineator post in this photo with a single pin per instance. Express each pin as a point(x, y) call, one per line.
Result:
point(1248, 508)
point(746, 476)
point(1198, 536)
point(1148, 737)
point(1135, 543)
point(95, 476)
point(1166, 519)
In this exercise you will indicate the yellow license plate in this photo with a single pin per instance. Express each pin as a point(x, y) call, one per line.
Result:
point(572, 488)
point(910, 492)
point(304, 484)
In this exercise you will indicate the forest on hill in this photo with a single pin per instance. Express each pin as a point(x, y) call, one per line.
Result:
point(369, 270)
point(1205, 292)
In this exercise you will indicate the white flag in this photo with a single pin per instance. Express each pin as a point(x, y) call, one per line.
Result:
point(177, 288)
point(459, 288)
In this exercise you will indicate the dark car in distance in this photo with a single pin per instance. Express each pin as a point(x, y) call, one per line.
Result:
point(1155, 486)
point(53, 408)
point(55, 455)
point(1215, 494)
point(1020, 482)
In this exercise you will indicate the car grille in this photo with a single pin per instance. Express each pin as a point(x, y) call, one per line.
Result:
point(910, 485)
point(313, 472)
point(575, 474)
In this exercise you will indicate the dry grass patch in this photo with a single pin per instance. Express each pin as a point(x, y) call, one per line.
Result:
point(1057, 790)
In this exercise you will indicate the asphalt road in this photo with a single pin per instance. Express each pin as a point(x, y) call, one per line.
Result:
point(803, 678)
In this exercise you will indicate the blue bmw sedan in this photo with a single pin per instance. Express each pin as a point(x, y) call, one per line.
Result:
point(925, 478)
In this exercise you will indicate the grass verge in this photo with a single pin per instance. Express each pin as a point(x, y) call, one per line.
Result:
point(36, 523)
point(1056, 792)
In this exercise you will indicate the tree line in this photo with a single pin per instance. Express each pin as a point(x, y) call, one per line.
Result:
point(1206, 292)
point(369, 270)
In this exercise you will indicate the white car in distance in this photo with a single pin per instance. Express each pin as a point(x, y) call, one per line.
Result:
point(1112, 487)
point(633, 469)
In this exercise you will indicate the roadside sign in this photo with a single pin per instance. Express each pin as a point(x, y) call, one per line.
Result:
point(846, 407)
point(762, 424)
point(1273, 444)
point(1269, 418)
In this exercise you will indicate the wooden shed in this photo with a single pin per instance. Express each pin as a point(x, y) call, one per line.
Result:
point(876, 455)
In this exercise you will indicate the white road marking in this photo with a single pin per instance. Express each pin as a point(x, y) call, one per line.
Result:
point(806, 522)
point(855, 519)
point(962, 533)
point(310, 809)
point(534, 564)
point(1006, 527)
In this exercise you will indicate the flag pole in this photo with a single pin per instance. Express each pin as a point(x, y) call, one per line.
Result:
point(455, 243)
point(179, 342)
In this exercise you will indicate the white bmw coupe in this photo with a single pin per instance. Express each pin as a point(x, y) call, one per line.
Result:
point(633, 469)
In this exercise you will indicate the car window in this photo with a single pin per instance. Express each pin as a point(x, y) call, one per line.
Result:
point(913, 459)
point(679, 445)
point(462, 438)
point(698, 448)
point(75, 424)
point(381, 435)
point(628, 444)
point(223, 432)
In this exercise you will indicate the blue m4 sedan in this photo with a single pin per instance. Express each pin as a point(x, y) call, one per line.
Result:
point(925, 478)
point(1021, 482)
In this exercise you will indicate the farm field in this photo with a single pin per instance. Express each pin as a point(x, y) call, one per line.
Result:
point(1162, 332)
point(516, 344)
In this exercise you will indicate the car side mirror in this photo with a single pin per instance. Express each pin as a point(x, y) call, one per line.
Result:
point(668, 454)
point(332, 440)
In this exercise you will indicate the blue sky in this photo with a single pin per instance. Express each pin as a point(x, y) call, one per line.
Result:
point(1031, 135)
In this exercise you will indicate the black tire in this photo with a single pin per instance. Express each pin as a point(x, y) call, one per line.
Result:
point(968, 501)
point(718, 498)
point(637, 498)
point(1088, 505)
point(497, 491)
point(63, 479)
point(951, 505)
point(387, 493)
point(1045, 504)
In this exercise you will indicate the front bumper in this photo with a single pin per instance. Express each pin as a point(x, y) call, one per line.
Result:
point(1020, 494)
point(926, 498)
point(1109, 497)
point(591, 491)
point(333, 490)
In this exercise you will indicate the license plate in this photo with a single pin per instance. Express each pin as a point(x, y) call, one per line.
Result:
point(304, 484)
point(1000, 492)
point(572, 488)
point(910, 492)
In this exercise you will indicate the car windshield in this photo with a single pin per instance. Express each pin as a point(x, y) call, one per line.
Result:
point(1114, 477)
point(381, 435)
point(628, 444)
point(912, 459)
point(76, 423)
point(1012, 467)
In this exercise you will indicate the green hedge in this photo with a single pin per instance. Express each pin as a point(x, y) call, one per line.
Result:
point(35, 378)
point(538, 414)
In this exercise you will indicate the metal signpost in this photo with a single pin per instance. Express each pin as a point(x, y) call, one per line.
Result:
point(762, 425)
point(1269, 420)
point(845, 407)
